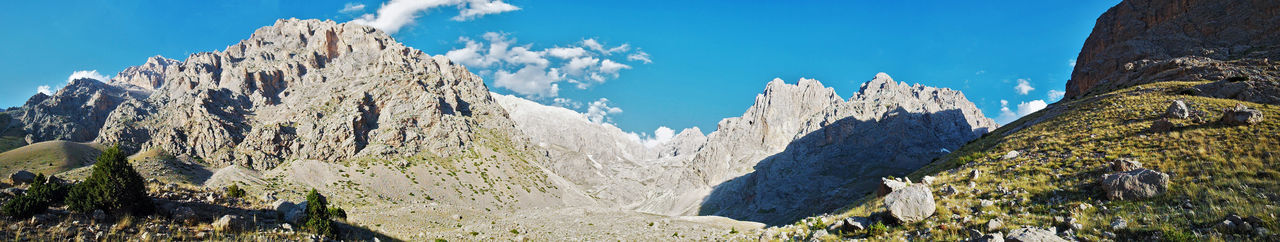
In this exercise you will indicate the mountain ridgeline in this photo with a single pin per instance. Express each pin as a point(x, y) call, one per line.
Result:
point(346, 109)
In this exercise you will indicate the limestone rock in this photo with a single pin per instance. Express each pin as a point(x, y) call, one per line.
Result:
point(889, 186)
point(1241, 115)
point(992, 237)
point(1033, 235)
point(910, 204)
point(74, 113)
point(1140, 41)
point(227, 223)
point(1135, 184)
point(1125, 164)
point(1177, 109)
point(995, 224)
point(1161, 125)
point(22, 177)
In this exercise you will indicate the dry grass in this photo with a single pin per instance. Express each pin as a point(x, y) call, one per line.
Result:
point(1217, 169)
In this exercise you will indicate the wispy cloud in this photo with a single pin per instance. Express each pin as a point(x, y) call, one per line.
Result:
point(1009, 115)
point(44, 89)
point(352, 8)
point(599, 111)
point(91, 74)
point(395, 14)
point(537, 73)
point(1023, 87)
point(640, 56)
point(1055, 95)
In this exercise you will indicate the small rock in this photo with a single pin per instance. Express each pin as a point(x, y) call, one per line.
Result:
point(910, 204)
point(994, 224)
point(1241, 115)
point(227, 223)
point(1123, 165)
point(1119, 224)
point(888, 186)
point(13, 191)
point(99, 215)
point(993, 237)
point(22, 177)
point(457, 217)
point(819, 234)
point(1177, 109)
point(928, 180)
point(1012, 154)
point(184, 215)
point(948, 190)
point(1136, 184)
point(973, 175)
point(855, 223)
point(286, 227)
point(986, 203)
point(1033, 234)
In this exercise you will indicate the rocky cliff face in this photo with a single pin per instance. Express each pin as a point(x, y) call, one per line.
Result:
point(1143, 41)
point(827, 151)
point(799, 149)
point(299, 89)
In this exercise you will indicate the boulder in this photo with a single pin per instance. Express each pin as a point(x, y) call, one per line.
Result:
point(910, 204)
point(292, 213)
point(227, 223)
point(183, 215)
point(1241, 115)
point(22, 177)
point(994, 224)
point(1177, 109)
point(1123, 165)
point(889, 185)
point(850, 224)
point(948, 190)
point(1136, 184)
point(1033, 235)
point(928, 180)
point(1119, 223)
point(1012, 154)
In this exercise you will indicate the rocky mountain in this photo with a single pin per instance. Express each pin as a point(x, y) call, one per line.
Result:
point(1143, 41)
point(800, 149)
point(74, 113)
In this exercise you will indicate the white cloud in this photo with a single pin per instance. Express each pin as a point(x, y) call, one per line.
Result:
point(566, 103)
point(980, 72)
point(1023, 87)
point(352, 8)
point(1072, 62)
point(1055, 95)
point(45, 89)
point(660, 136)
point(395, 14)
point(1007, 115)
point(533, 72)
point(599, 111)
point(640, 56)
point(91, 74)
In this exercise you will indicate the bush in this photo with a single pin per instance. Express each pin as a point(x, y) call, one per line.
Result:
point(877, 229)
point(235, 191)
point(336, 212)
point(318, 221)
point(37, 199)
point(113, 186)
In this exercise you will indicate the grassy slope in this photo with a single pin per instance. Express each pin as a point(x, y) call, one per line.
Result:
point(48, 157)
point(1217, 169)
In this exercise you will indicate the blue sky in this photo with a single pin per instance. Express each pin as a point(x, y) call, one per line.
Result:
point(708, 58)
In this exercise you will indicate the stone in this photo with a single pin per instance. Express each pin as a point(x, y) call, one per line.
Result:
point(184, 215)
point(928, 180)
point(992, 237)
point(99, 215)
point(1119, 223)
point(1125, 164)
point(986, 203)
point(948, 190)
point(974, 175)
point(1177, 109)
point(22, 177)
point(855, 223)
point(1241, 115)
point(12, 191)
point(227, 223)
point(889, 185)
point(994, 224)
point(1161, 125)
point(1012, 154)
point(1033, 235)
point(1135, 184)
point(910, 204)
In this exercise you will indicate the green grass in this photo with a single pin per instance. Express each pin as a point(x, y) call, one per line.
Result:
point(50, 157)
point(1218, 169)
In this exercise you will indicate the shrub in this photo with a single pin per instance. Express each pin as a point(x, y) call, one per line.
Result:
point(113, 186)
point(37, 199)
point(336, 212)
point(318, 221)
point(235, 191)
point(877, 229)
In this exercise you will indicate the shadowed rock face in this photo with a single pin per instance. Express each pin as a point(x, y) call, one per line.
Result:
point(1140, 41)
point(299, 89)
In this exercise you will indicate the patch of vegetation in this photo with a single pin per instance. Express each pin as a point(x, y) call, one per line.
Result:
point(37, 199)
point(317, 219)
point(877, 229)
point(113, 186)
point(235, 191)
point(336, 212)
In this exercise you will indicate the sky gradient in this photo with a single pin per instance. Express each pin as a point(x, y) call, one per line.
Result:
point(709, 59)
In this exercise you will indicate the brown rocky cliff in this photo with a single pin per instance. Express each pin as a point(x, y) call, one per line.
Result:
point(1136, 34)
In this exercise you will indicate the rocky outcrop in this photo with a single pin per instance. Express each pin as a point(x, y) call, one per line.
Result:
point(1241, 115)
point(1033, 235)
point(802, 150)
point(148, 76)
point(1141, 41)
point(1135, 184)
point(910, 204)
point(75, 113)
